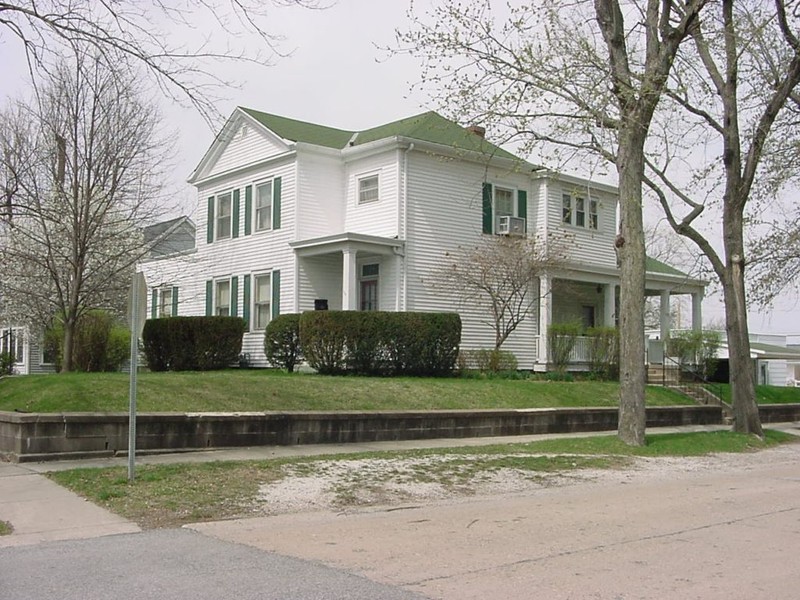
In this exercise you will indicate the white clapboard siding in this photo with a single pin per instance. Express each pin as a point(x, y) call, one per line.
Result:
point(585, 246)
point(245, 145)
point(320, 277)
point(374, 218)
point(321, 188)
point(445, 213)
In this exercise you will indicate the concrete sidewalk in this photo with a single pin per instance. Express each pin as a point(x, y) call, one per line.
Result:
point(40, 510)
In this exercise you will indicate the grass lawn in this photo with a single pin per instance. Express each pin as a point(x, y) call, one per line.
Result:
point(765, 394)
point(172, 495)
point(262, 390)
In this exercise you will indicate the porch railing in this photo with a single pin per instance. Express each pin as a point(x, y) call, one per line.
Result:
point(581, 351)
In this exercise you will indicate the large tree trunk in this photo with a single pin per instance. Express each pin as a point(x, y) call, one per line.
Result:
point(68, 345)
point(631, 252)
point(742, 369)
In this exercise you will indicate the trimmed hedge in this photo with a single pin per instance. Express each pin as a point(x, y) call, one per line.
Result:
point(282, 341)
point(192, 343)
point(380, 343)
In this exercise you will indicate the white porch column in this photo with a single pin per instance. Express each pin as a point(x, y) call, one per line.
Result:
point(545, 316)
point(349, 280)
point(697, 311)
point(609, 304)
point(666, 317)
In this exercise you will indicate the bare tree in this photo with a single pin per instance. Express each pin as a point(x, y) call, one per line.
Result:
point(583, 80)
point(500, 276)
point(83, 170)
point(727, 95)
point(147, 36)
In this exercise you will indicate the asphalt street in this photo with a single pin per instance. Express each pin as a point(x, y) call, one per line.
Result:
point(173, 564)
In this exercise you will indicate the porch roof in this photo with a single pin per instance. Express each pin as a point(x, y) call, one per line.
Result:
point(347, 241)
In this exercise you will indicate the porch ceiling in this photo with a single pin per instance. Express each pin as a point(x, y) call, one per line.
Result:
point(347, 241)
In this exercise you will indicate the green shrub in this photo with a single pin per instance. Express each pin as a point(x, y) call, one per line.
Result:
point(697, 349)
point(282, 342)
point(6, 363)
point(192, 343)
point(561, 338)
point(380, 343)
point(101, 343)
point(604, 352)
point(322, 337)
point(488, 360)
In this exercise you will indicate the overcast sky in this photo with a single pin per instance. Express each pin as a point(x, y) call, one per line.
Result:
point(336, 75)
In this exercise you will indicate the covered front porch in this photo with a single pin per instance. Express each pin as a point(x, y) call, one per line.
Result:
point(592, 300)
point(349, 271)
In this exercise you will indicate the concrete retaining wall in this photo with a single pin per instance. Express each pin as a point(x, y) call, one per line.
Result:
point(39, 436)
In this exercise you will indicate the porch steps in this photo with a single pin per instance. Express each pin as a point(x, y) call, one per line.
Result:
point(701, 395)
point(661, 375)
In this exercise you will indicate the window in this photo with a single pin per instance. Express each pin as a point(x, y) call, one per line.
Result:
point(262, 297)
point(504, 205)
point(368, 189)
point(580, 212)
point(222, 298)
point(574, 211)
point(369, 287)
point(224, 216)
point(566, 210)
point(264, 206)
point(12, 342)
point(165, 302)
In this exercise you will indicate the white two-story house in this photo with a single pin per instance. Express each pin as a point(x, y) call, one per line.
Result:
point(294, 216)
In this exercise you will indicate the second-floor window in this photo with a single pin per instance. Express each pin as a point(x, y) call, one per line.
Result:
point(263, 211)
point(223, 216)
point(503, 203)
point(368, 189)
point(579, 211)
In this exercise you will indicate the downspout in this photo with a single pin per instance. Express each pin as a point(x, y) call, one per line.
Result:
point(402, 216)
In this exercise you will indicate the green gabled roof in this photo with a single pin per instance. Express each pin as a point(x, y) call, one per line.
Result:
point(300, 131)
point(428, 127)
point(656, 266)
point(432, 127)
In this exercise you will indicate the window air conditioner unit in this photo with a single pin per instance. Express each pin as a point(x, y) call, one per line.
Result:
point(511, 226)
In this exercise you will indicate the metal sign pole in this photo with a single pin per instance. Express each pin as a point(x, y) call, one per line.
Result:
point(138, 314)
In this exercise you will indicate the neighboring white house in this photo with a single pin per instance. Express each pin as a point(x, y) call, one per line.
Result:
point(293, 215)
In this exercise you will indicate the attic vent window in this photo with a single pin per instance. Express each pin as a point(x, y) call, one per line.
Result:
point(243, 131)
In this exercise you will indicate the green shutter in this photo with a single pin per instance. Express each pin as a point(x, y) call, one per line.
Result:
point(488, 225)
point(174, 301)
point(246, 300)
point(276, 293)
point(248, 209)
point(234, 296)
point(154, 304)
point(522, 206)
point(276, 203)
point(209, 298)
point(210, 223)
point(235, 215)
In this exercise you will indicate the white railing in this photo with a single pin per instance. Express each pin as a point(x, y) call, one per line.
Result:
point(581, 352)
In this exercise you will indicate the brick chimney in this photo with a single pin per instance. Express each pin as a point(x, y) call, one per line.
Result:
point(477, 130)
